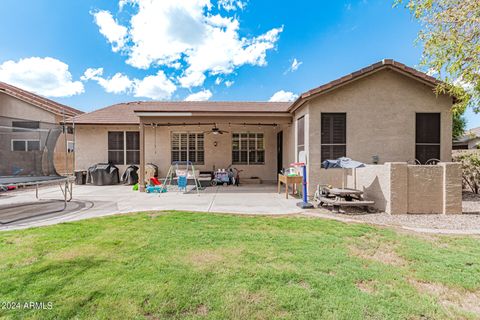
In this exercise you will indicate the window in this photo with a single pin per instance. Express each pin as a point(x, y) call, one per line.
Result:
point(124, 147)
point(333, 135)
point(116, 147)
point(427, 136)
point(248, 148)
point(133, 147)
point(300, 135)
point(25, 145)
point(19, 125)
point(70, 147)
point(188, 146)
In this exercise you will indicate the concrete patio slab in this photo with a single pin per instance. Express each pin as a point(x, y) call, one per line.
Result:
point(19, 209)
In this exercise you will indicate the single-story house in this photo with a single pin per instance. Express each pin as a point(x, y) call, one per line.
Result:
point(27, 111)
point(470, 140)
point(386, 112)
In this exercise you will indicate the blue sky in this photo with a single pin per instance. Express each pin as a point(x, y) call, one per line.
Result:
point(258, 42)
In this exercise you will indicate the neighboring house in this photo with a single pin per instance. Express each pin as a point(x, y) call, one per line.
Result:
point(386, 112)
point(470, 140)
point(25, 110)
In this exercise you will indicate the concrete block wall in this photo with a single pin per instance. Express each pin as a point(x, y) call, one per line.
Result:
point(399, 188)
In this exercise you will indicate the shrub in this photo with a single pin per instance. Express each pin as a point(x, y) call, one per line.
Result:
point(470, 161)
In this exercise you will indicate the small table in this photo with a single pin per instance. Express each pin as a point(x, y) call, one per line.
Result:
point(287, 180)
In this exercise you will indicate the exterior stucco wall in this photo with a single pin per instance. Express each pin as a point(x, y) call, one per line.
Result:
point(425, 189)
point(398, 188)
point(14, 108)
point(288, 145)
point(380, 112)
point(92, 147)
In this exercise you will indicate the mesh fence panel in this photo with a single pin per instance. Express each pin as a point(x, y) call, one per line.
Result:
point(27, 147)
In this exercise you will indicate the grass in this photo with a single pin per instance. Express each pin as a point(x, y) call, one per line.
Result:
point(183, 265)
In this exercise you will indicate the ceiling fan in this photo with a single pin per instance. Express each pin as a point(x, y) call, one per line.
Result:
point(215, 130)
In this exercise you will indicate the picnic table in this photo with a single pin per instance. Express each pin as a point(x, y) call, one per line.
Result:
point(338, 197)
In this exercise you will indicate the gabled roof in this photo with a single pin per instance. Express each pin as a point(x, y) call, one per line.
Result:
point(36, 100)
point(124, 113)
point(381, 65)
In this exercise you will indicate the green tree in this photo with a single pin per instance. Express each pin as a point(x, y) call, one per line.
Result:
point(458, 127)
point(450, 37)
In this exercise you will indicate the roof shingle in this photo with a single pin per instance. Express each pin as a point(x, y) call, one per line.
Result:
point(124, 113)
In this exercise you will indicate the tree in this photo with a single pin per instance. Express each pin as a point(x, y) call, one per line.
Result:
point(458, 126)
point(451, 46)
point(470, 161)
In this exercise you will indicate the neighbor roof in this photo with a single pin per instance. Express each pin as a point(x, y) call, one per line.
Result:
point(384, 64)
point(124, 113)
point(469, 135)
point(41, 102)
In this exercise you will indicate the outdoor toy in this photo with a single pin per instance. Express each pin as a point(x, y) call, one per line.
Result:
point(155, 182)
point(181, 171)
point(304, 204)
point(155, 189)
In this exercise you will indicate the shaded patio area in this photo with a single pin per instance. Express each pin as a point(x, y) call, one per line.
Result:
point(95, 201)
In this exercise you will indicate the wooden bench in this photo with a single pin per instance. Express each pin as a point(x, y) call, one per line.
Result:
point(336, 203)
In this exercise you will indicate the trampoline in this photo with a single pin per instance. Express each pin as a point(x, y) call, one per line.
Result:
point(28, 151)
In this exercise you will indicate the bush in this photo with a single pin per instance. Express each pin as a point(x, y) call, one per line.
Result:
point(470, 161)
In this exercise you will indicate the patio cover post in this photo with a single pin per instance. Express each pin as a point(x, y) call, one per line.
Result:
point(142, 157)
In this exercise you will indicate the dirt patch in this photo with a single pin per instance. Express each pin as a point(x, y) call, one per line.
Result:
point(377, 249)
point(367, 286)
point(153, 215)
point(207, 258)
point(449, 297)
point(304, 284)
point(250, 305)
point(201, 310)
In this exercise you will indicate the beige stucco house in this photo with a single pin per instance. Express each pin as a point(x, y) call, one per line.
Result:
point(470, 140)
point(25, 110)
point(386, 112)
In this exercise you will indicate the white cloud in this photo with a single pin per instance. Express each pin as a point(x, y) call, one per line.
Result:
point(218, 81)
point(229, 83)
point(92, 73)
point(186, 34)
point(283, 96)
point(154, 87)
point(192, 79)
point(203, 95)
point(294, 66)
point(119, 83)
point(110, 29)
point(46, 76)
point(232, 5)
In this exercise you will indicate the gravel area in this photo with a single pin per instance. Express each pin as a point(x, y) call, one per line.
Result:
point(468, 222)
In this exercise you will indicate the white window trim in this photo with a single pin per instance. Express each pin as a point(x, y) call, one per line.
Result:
point(188, 145)
point(26, 144)
point(248, 150)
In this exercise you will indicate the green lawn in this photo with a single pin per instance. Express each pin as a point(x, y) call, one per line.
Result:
point(184, 265)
